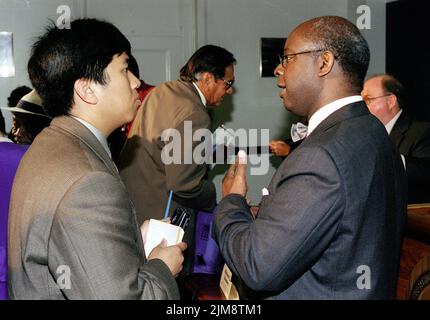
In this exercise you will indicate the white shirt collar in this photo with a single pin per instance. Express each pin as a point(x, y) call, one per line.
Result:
point(328, 109)
point(100, 136)
point(389, 126)
point(202, 97)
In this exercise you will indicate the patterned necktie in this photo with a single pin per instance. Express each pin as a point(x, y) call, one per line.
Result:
point(298, 131)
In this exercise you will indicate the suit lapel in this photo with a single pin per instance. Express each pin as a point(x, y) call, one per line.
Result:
point(352, 110)
point(192, 88)
point(79, 131)
point(398, 132)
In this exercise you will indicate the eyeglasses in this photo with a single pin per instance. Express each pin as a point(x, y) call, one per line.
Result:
point(286, 58)
point(368, 100)
point(228, 83)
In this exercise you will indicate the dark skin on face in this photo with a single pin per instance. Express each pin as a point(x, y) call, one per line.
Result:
point(297, 79)
point(310, 80)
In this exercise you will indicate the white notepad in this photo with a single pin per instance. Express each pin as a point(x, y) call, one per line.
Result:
point(159, 230)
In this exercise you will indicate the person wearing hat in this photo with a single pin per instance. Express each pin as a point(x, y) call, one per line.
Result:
point(13, 99)
point(29, 118)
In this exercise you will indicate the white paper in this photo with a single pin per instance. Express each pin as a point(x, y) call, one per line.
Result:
point(159, 230)
point(226, 285)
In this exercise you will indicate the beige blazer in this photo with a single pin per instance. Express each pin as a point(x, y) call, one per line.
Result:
point(146, 177)
point(70, 214)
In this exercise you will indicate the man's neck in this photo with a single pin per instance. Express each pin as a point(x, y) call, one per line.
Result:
point(390, 124)
point(330, 96)
point(92, 120)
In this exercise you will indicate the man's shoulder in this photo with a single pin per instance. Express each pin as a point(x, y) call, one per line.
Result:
point(181, 92)
point(419, 128)
point(56, 156)
point(351, 139)
point(174, 102)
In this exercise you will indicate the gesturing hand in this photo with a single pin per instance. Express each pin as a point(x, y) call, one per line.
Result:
point(235, 179)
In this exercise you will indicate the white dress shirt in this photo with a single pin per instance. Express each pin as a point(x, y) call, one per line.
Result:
point(328, 109)
point(389, 126)
point(202, 97)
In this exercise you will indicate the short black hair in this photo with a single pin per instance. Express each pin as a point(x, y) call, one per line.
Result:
point(13, 99)
point(60, 57)
point(209, 58)
point(133, 66)
point(344, 40)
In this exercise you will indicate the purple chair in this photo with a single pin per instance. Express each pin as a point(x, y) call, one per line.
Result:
point(207, 256)
point(10, 156)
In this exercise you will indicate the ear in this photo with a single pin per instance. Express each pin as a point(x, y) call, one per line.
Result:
point(326, 61)
point(206, 78)
point(392, 101)
point(85, 92)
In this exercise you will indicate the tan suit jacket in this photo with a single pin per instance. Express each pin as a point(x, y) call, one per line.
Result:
point(146, 177)
point(70, 211)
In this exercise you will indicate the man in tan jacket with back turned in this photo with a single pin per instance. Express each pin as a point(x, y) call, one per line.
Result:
point(73, 232)
point(205, 80)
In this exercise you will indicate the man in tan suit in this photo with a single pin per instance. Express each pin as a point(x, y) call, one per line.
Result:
point(73, 232)
point(205, 80)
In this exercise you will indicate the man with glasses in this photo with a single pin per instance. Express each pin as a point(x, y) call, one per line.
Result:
point(205, 80)
point(384, 96)
point(330, 225)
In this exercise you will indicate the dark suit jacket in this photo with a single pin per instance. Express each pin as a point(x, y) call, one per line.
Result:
point(413, 140)
point(337, 206)
point(70, 209)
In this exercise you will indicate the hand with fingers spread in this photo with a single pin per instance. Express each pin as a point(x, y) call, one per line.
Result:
point(172, 256)
point(235, 179)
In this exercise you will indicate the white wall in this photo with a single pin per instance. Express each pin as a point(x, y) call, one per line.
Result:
point(26, 20)
point(161, 32)
point(238, 26)
point(375, 36)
